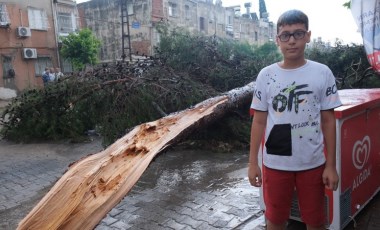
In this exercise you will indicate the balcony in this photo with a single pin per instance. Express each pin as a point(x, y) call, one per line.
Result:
point(4, 17)
point(229, 28)
point(66, 2)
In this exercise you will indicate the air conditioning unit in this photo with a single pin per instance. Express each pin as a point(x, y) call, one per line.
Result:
point(29, 53)
point(23, 31)
point(4, 24)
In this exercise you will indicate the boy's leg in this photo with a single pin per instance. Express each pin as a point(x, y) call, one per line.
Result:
point(278, 188)
point(272, 226)
point(311, 197)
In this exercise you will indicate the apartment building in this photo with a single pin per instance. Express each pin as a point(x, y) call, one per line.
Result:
point(207, 17)
point(29, 39)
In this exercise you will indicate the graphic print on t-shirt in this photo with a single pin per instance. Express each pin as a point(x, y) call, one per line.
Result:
point(294, 100)
point(289, 96)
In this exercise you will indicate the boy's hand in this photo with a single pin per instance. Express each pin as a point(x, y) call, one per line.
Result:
point(254, 175)
point(330, 178)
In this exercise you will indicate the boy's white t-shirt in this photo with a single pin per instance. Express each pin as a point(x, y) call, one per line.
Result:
point(294, 99)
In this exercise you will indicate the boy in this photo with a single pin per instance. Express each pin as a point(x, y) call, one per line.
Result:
point(294, 103)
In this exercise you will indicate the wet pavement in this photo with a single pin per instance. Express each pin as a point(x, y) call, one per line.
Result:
point(189, 190)
point(179, 190)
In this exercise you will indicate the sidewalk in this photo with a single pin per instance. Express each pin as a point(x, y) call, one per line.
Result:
point(27, 172)
point(179, 190)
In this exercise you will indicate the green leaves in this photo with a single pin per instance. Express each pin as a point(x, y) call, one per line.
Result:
point(347, 5)
point(223, 64)
point(43, 114)
point(110, 100)
point(348, 63)
point(188, 68)
point(81, 48)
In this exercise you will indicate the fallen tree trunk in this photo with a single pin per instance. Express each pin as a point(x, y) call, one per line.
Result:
point(94, 185)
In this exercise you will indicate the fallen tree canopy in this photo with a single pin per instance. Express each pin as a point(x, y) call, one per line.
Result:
point(109, 99)
point(94, 185)
point(114, 97)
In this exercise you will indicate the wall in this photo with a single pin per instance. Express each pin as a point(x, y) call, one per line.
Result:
point(11, 45)
point(104, 18)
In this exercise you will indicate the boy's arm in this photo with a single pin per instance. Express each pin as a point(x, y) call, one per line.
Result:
point(257, 132)
point(330, 175)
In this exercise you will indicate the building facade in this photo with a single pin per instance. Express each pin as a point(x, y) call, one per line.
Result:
point(207, 17)
point(31, 30)
point(29, 39)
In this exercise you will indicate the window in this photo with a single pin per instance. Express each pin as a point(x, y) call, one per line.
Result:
point(247, 28)
point(67, 19)
point(41, 64)
point(156, 36)
point(37, 19)
point(8, 71)
point(67, 67)
point(202, 23)
point(220, 27)
point(130, 8)
point(66, 22)
point(256, 36)
point(173, 9)
point(4, 17)
point(211, 17)
point(187, 12)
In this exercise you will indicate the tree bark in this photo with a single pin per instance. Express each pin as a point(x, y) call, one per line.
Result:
point(93, 185)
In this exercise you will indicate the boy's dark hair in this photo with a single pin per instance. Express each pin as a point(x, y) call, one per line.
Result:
point(291, 17)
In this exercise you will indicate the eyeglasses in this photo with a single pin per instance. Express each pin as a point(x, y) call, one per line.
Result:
point(297, 35)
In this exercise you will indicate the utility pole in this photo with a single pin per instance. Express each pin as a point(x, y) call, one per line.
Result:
point(125, 23)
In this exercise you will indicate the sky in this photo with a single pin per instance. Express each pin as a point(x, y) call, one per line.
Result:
point(328, 19)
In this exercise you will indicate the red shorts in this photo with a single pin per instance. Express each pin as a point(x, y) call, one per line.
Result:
point(278, 188)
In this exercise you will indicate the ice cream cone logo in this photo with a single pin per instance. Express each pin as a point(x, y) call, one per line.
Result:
point(360, 152)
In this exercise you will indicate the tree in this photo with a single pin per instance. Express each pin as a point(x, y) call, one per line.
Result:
point(115, 97)
point(347, 4)
point(81, 48)
point(221, 63)
point(349, 64)
point(94, 185)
